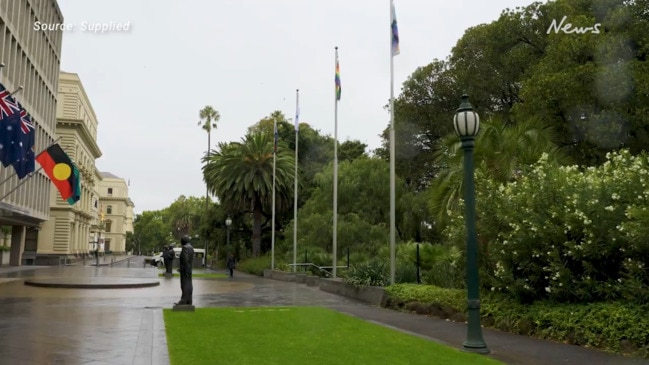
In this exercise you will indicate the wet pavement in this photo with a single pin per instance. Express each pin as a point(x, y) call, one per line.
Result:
point(121, 326)
point(116, 326)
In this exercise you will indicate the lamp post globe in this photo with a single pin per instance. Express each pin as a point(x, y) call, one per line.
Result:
point(466, 121)
point(467, 126)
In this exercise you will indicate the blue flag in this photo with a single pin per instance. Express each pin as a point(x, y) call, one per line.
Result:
point(10, 137)
point(24, 162)
point(9, 144)
point(276, 137)
point(395, 31)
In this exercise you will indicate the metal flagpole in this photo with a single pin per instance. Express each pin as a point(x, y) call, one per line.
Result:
point(20, 88)
point(297, 128)
point(10, 176)
point(335, 217)
point(392, 151)
point(272, 243)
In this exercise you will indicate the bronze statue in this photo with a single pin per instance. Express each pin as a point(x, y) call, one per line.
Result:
point(168, 256)
point(185, 270)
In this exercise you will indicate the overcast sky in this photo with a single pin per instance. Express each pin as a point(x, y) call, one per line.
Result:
point(246, 58)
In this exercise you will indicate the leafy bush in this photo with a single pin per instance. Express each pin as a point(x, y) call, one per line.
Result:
point(405, 272)
point(255, 265)
point(375, 272)
point(408, 293)
point(619, 327)
point(5, 248)
point(566, 234)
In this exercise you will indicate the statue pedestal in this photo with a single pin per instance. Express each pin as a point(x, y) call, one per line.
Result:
point(183, 308)
point(169, 275)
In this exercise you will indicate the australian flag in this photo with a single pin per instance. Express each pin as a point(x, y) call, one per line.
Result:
point(24, 163)
point(16, 135)
point(9, 126)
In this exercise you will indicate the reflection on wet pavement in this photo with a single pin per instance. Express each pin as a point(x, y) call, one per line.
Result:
point(117, 326)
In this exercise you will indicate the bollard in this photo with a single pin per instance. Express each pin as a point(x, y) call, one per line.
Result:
point(128, 263)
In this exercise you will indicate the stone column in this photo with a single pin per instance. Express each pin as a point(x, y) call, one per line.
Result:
point(83, 244)
point(17, 245)
point(77, 227)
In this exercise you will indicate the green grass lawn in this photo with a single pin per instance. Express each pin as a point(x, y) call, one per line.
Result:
point(297, 335)
point(204, 275)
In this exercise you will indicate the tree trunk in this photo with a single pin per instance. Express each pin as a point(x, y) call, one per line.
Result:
point(256, 228)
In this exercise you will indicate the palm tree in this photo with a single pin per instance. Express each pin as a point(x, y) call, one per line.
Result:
point(501, 152)
point(240, 174)
point(209, 117)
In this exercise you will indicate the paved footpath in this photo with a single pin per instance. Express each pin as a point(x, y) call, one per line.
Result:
point(43, 326)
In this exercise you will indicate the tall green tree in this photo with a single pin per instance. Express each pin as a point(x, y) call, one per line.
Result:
point(351, 150)
point(184, 215)
point(240, 174)
point(422, 117)
point(209, 119)
point(363, 208)
point(593, 88)
point(502, 152)
point(150, 230)
point(490, 60)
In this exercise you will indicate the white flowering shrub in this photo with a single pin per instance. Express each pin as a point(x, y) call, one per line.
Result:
point(565, 233)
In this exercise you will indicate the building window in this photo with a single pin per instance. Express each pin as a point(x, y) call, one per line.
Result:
point(95, 203)
point(109, 209)
point(110, 191)
point(108, 226)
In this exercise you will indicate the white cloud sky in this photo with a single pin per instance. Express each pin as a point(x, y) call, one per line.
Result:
point(245, 58)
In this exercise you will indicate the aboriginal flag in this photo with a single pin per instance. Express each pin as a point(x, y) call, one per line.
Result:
point(63, 173)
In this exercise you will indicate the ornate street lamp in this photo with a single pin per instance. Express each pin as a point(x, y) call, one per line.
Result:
point(228, 223)
point(467, 126)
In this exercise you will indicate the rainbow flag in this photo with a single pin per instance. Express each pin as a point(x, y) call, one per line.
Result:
point(338, 87)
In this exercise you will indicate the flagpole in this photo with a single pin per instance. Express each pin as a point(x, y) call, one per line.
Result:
point(20, 88)
point(297, 128)
point(392, 157)
point(272, 244)
point(22, 181)
point(12, 175)
point(335, 217)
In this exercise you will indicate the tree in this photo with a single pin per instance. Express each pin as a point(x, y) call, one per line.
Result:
point(422, 116)
point(185, 215)
point(502, 152)
point(489, 63)
point(151, 230)
point(209, 118)
point(364, 208)
point(240, 174)
point(593, 88)
point(351, 150)
point(490, 60)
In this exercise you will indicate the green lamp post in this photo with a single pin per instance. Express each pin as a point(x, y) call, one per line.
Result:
point(467, 126)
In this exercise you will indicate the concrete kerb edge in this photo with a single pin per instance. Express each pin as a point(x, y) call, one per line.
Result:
point(372, 295)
